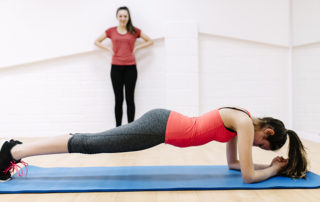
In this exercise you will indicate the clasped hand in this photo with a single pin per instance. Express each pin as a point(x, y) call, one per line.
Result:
point(279, 163)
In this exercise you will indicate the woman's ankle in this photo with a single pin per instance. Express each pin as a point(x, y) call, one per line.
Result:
point(16, 152)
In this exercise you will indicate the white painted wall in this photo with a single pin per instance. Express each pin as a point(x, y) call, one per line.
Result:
point(247, 74)
point(182, 67)
point(305, 20)
point(306, 82)
point(73, 94)
point(306, 63)
point(54, 81)
point(34, 30)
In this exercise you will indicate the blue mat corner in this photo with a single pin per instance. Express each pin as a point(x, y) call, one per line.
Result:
point(143, 178)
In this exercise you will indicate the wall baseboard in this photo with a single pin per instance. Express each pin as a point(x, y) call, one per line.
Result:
point(315, 137)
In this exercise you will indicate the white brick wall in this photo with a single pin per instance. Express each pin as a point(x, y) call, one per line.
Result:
point(305, 19)
point(74, 94)
point(221, 53)
point(182, 69)
point(246, 74)
point(306, 82)
point(305, 67)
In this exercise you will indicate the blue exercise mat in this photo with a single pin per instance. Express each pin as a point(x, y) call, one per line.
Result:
point(143, 178)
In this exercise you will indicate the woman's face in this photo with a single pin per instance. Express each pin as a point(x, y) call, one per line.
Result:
point(261, 138)
point(123, 17)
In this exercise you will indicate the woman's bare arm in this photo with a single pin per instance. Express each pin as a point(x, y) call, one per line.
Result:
point(232, 157)
point(98, 42)
point(245, 131)
point(242, 144)
point(147, 42)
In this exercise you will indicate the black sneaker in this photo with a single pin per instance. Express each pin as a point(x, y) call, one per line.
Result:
point(7, 163)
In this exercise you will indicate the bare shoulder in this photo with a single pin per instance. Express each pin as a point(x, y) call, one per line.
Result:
point(234, 119)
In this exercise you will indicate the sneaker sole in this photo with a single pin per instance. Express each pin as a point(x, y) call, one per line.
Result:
point(2, 141)
point(1, 181)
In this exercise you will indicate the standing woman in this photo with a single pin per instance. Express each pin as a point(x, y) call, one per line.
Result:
point(123, 67)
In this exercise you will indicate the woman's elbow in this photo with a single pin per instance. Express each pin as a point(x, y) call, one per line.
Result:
point(150, 42)
point(97, 43)
point(248, 180)
point(234, 166)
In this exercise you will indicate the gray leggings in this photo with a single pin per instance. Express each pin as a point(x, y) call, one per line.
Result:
point(145, 132)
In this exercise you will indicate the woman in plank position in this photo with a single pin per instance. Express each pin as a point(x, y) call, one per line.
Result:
point(227, 124)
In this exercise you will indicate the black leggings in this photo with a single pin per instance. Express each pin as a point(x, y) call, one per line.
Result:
point(124, 76)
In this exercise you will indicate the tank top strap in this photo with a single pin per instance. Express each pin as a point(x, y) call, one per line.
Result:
point(235, 108)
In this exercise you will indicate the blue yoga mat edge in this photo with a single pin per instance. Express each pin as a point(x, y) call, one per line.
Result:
point(143, 178)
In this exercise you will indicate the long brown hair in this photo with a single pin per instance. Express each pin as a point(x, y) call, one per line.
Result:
point(130, 28)
point(297, 165)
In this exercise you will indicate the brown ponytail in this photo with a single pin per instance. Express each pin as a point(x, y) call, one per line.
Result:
point(297, 165)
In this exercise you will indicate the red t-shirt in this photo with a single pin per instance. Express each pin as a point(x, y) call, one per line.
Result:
point(122, 45)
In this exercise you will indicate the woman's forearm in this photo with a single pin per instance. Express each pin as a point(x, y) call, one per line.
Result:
point(236, 166)
point(143, 45)
point(261, 172)
point(260, 166)
point(261, 175)
point(100, 45)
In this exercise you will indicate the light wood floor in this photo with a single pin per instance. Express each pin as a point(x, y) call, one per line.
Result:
point(212, 153)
